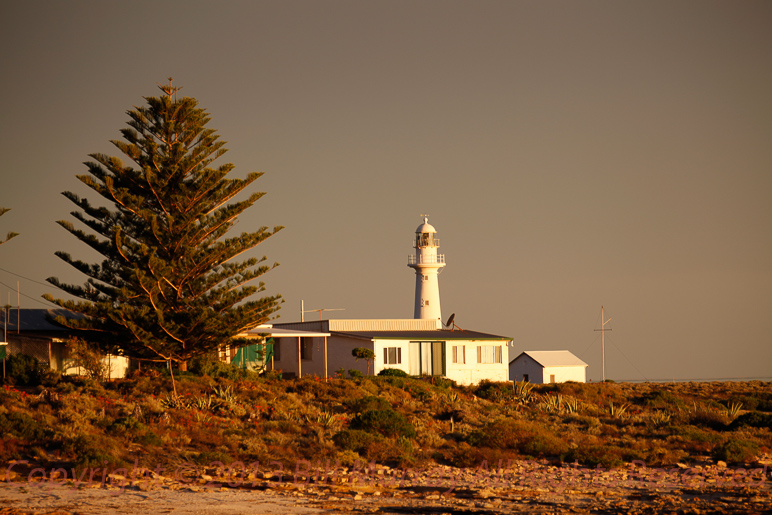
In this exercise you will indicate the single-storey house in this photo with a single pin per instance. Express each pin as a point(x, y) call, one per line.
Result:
point(29, 332)
point(416, 346)
point(547, 366)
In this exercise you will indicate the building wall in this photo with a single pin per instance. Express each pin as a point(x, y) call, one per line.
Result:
point(338, 356)
point(563, 374)
point(537, 374)
point(526, 368)
point(464, 373)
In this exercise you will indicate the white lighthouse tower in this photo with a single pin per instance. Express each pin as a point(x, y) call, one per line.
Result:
point(427, 265)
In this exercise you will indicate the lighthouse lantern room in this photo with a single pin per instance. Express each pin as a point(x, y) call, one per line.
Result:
point(427, 265)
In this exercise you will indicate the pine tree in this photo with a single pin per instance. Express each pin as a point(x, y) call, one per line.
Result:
point(169, 287)
point(4, 210)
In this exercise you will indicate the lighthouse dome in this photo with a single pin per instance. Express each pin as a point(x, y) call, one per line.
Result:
point(425, 227)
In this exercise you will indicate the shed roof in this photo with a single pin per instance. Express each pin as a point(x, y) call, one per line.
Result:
point(553, 358)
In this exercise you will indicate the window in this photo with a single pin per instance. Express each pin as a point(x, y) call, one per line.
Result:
point(392, 355)
point(426, 278)
point(458, 354)
point(525, 378)
point(306, 348)
point(489, 354)
point(552, 378)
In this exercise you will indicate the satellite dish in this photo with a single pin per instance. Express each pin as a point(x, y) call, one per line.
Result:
point(450, 320)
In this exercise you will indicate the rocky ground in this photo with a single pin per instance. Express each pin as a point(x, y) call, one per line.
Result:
point(516, 487)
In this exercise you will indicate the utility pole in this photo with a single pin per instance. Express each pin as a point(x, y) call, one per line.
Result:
point(603, 343)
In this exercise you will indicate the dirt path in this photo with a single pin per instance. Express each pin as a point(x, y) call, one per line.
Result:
point(524, 487)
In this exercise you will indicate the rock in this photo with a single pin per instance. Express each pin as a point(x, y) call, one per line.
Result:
point(721, 464)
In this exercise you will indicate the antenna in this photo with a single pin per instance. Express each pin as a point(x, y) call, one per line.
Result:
point(451, 322)
point(603, 343)
point(303, 311)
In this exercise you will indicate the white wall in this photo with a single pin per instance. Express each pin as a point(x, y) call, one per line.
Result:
point(563, 374)
point(537, 374)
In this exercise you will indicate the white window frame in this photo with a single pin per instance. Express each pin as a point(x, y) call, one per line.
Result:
point(392, 355)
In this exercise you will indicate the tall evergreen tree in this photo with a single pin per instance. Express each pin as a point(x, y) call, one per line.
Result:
point(169, 287)
point(4, 210)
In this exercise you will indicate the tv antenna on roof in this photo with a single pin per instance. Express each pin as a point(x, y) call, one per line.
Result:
point(452, 324)
point(304, 311)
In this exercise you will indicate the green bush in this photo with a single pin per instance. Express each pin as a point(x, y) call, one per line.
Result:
point(386, 422)
point(736, 450)
point(355, 440)
point(392, 372)
point(23, 426)
point(23, 370)
point(493, 391)
point(367, 403)
point(605, 456)
point(752, 419)
point(354, 373)
point(209, 365)
point(528, 438)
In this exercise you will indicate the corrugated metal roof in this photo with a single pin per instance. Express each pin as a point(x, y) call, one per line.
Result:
point(436, 335)
point(35, 319)
point(554, 358)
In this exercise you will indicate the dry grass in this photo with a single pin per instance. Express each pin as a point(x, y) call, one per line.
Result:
point(80, 422)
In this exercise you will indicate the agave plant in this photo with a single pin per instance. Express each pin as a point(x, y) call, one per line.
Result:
point(734, 409)
point(523, 392)
point(618, 411)
point(571, 405)
point(172, 401)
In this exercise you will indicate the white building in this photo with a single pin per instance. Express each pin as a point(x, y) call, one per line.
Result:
point(427, 265)
point(416, 346)
point(547, 366)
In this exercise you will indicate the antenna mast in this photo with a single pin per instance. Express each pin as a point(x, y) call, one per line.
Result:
point(603, 343)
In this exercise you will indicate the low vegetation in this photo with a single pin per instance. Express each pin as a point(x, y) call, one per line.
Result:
point(64, 422)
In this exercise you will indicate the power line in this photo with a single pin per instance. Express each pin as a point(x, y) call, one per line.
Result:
point(27, 278)
point(27, 296)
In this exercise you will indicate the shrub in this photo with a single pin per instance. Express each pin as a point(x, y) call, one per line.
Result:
point(605, 456)
point(354, 373)
point(392, 372)
point(23, 426)
point(386, 422)
point(367, 403)
point(23, 370)
point(752, 419)
point(209, 365)
point(528, 438)
point(355, 440)
point(493, 391)
point(87, 356)
point(736, 450)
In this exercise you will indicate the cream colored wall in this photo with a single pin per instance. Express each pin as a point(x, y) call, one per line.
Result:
point(563, 374)
point(538, 374)
point(472, 372)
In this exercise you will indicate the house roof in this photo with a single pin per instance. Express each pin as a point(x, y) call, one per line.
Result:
point(553, 358)
point(435, 335)
point(35, 319)
point(275, 332)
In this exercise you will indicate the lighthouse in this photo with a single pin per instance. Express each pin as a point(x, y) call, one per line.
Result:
point(427, 265)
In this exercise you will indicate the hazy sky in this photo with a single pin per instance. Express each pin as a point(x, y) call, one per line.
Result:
point(570, 154)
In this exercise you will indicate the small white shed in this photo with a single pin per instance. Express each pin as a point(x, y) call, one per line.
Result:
point(547, 366)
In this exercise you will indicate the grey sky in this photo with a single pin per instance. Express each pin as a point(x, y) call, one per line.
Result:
point(570, 154)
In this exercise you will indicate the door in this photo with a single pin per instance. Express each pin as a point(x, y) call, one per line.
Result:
point(427, 358)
